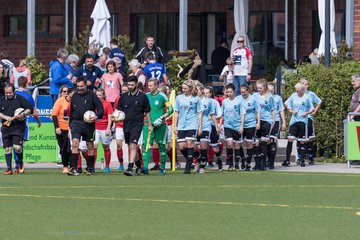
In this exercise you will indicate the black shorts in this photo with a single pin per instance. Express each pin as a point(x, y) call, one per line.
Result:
point(214, 136)
point(133, 136)
point(82, 130)
point(233, 135)
point(204, 137)
point(275, 131)
point(249, 134)
point(184, 135)
point(310, 130)
point(297, 131)
point(12, 136)
point(264, 132)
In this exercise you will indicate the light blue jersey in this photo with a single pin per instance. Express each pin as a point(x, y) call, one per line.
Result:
point(266, 107)
point(217, 110)
point(188, 109)
point(250, 109)
point(300, 105)
point(207, 111)
point(232, 111)
point(314, 99)
point(279, 107)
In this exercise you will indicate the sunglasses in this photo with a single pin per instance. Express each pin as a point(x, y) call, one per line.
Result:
point(240, 41)
point(64, 91)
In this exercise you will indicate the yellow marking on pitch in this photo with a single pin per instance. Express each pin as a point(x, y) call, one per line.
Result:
point(181, 201)
point(181, 186)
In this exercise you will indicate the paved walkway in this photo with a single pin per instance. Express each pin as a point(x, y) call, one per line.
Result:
point(318, 167)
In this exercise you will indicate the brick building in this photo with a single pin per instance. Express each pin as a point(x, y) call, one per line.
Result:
point(207, 19)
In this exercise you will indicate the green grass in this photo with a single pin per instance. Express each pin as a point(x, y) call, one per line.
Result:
point(44, 204)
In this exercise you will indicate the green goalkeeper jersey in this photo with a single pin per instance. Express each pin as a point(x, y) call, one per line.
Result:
point(158, 103)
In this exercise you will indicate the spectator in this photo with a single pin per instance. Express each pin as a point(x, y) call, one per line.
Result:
point(4, 78)
point(355, 99)
point(117, 52)
point(91, 72)
point(314, 57)
point(58, 74)
point(150, 47)
point(242, 57)
point(155, 69)
point(93, 51)
point(219, 57)
point(111, 82)
point(21, 71)
point(101, 63)
point(106, 50)
point(5, 60)
point(136, 70)
point(227, 73)
point(195, 69)
point(71, 63)
point(119, 68)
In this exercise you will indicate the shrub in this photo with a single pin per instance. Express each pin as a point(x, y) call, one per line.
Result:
point(37, 69)
point(79, 45)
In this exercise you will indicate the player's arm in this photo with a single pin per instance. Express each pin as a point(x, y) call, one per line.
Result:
point(283, 120)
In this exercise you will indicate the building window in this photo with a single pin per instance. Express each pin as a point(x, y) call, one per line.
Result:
point(44, 25)
point(267, 36)
point(162, 26)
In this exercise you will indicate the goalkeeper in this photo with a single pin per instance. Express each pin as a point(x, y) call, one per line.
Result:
point(159, 103)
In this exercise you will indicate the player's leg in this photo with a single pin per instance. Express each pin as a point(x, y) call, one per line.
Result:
point(292, 135)
point(190, 136)
point(119, 136)
point(229, 146)
point(146, 152)
point(106, 140)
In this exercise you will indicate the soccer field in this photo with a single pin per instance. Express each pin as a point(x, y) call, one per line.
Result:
point(44, 204)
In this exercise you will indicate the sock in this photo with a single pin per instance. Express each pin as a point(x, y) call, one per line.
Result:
point(184, 152)
point(119, 153)
point(86, 156)
point(257, 156)
point(204, 157)
point(263, 152)
point(229, 153)
point(78, 165)
point(242, 155)
point(155, 152)
point(162, 150)
point(146, 157)
point(218, 154)
point(130, 166)
point(74, 160)
point(189, 159)
point(107, 156)
point(90, 162)
point(196, 154)
point(249, 155)
point(211, 154)
point(8, 161)
point(16, 158)
point(271, 153)
point(237, 155)
point(302, 151)
point(310, 150)
point(288, 150)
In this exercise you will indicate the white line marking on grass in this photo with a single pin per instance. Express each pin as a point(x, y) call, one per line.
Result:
point(179, 201)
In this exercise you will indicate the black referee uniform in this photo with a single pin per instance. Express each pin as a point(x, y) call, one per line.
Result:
point(134, 107)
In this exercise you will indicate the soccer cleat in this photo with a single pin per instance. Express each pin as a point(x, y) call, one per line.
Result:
point(302, 163)
point(73, 172)
point(8, 172)
point(22, 169)
point(162, 171)
point(178, 164)
point(201, 170)
point(311, 162)
point(237, 168)
point(231, 168)
point(155, 167)
point(121, 168)
point(247, 167)
point(220, 165)
point(271, 167)
point(66, 170)
point(211, 165)
point(79, 170)
point(286, 163)
point(128, 172)
point(90, 171)
point(297, 161)
point(106, 170)
point(145, 171)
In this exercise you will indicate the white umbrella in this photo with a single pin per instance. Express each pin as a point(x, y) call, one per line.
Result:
point(101, 28)
point(321, 10)
point(241, 18)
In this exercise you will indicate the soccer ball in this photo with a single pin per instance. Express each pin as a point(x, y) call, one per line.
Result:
point(118, 115)
point(87, 115)
point(19, 111)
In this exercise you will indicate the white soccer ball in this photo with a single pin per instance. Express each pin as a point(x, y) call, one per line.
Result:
point(118, 115)
point(19, 111)
point(88, 115)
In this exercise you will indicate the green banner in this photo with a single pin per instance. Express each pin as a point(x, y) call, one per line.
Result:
point(42, 146)
point(353, 141)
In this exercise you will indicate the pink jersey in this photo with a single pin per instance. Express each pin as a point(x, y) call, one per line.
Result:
point(111, 83)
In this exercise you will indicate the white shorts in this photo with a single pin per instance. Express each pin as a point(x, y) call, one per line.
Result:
point(169, 133)
point(101, 136)
point(119, 134)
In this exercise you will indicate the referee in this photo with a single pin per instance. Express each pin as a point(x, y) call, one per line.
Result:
point(12, 128)
point(134, 104)
point(83, 100)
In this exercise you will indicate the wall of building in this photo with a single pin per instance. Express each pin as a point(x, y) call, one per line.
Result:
point(357, 29)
